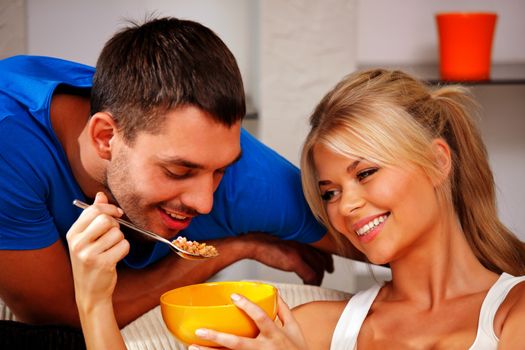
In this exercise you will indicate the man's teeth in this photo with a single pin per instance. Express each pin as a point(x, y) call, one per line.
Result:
point(175, 216)
point(368, 227)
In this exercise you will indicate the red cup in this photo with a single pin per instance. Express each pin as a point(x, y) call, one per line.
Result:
point(465, 45)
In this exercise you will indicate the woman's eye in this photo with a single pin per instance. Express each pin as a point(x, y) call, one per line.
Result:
point(366, 173)
point(327, 196)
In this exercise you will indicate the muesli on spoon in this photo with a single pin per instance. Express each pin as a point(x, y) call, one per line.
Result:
point(194, 247)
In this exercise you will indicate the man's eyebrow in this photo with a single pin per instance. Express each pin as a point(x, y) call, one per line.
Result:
point(192, 165)
point(174, 160)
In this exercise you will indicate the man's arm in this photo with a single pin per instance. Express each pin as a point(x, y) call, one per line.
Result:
point(38, 287)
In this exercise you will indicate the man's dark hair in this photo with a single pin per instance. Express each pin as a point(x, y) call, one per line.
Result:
point(146, 70)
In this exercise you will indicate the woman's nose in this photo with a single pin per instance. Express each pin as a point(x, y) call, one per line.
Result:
point(351, 200)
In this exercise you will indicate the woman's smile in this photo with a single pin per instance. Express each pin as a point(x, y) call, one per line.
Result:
point(368, 228)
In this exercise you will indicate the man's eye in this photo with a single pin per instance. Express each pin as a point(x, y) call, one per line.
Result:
point(366, 173)
point(177, 175)
point(327, 196)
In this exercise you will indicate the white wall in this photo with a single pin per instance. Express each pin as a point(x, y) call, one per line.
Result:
point(306, 47)
point(503, 129)
point(12, 28)
point(404, 31)
point(77, 30)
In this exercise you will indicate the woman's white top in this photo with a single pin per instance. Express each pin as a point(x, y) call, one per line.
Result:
point(355, 312)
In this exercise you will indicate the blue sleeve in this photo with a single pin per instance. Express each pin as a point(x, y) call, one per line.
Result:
point(262, 192)
point(25, 222)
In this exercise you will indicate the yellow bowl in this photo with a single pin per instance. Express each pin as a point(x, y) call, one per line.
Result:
point(209, 305)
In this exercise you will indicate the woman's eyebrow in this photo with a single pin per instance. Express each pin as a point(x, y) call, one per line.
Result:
point(324, 182)
point(352, 166)
point(349, 169)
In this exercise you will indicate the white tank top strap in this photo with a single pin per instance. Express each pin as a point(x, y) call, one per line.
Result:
point(485, 337)
point(353, 316)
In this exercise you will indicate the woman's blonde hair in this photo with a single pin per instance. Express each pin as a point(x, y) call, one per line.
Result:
point(387, 117)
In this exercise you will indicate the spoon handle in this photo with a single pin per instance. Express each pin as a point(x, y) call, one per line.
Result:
point(178, 250)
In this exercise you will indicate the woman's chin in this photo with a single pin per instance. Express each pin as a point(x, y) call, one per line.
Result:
point(378, 259)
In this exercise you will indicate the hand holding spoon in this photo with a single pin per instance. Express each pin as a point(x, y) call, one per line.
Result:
point(177, 245)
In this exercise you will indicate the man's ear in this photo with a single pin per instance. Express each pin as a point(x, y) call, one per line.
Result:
point(102, 130)
point(443, 159)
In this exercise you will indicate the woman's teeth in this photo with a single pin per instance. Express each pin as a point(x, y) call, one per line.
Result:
point(373, 223)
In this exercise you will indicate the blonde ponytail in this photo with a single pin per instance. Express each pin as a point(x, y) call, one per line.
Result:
point(473, 185)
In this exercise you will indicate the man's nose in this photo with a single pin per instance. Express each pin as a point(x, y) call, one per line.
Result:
point(200, 195)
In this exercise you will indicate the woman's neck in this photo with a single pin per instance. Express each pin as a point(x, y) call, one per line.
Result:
point(439, 267)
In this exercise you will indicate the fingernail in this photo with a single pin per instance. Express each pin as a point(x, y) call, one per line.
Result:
point(121, 212)
point(235, 297)
point(193, 347)
point(201, 332)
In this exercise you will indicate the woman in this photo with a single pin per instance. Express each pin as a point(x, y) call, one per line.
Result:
point(399, 170)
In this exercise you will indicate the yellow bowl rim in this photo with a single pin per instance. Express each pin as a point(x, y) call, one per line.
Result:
point(254, 300)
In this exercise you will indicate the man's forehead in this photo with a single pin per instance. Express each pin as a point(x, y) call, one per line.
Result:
point(191, 138)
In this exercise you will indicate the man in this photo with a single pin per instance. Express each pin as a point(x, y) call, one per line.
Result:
point(156, 129)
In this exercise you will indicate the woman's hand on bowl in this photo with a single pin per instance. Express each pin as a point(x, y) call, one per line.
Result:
point(272, 336)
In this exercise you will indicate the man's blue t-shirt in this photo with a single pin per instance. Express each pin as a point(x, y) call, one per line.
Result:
point(259, 193)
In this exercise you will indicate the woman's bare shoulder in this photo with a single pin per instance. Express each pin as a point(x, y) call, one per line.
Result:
point(329, 306)
point(510, 319)
point(317, 320)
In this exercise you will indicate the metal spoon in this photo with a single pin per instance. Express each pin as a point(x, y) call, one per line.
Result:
point(181, 252)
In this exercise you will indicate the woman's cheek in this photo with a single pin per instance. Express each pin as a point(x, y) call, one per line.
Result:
point(336, 219)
